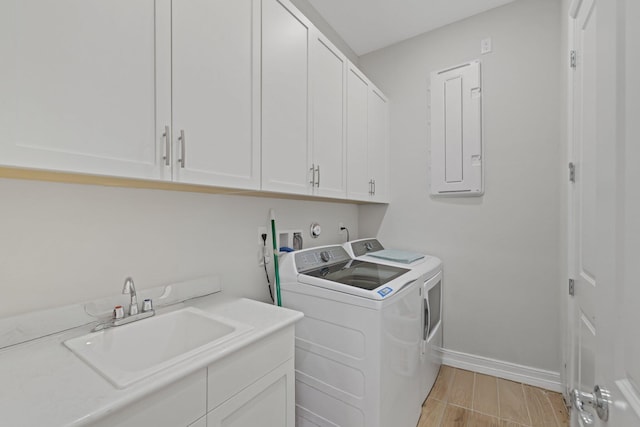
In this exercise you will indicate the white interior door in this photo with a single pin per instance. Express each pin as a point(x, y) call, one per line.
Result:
point(618, 361)
point(583, 252)
point(605, 214)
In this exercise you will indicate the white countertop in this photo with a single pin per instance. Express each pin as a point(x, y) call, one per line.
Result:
point(45, 384)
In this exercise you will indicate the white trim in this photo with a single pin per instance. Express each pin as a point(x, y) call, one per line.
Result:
point(548, 380)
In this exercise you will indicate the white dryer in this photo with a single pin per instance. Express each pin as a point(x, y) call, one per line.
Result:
point(429, 269)
point(358, 346)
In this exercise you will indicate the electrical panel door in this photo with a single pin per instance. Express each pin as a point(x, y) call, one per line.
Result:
point(456, 131)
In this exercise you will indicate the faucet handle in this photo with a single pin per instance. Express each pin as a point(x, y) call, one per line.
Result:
point(147, 305)
point(118, 312)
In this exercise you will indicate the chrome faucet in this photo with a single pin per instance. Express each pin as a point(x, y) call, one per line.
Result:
point(130, 288)
point(118, 313)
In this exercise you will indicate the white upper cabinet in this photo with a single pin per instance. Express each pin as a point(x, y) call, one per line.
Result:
point(243, 94)
point(215, 92)
point(77, 87)
point(328, 92)
point(285, 99)
point(94, 87)
point(367, 139)
point(303, 106)
point(358, 180)
point(378, 137)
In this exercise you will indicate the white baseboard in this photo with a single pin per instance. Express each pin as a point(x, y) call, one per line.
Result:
point(548, 380)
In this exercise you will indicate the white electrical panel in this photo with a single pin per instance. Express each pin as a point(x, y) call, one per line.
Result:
point(456, 131)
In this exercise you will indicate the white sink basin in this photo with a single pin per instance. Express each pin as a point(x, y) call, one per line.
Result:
point(126, 354)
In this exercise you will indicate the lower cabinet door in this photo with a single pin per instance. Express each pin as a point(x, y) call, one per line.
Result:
point(268, 402)
point(176, 405)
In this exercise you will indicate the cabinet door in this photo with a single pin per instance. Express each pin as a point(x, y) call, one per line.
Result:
point(358, 179)
point(285, 98)
point(378, 135)
point(215, 93)
point(328, 80)
point(178, 404)
point(270, 401)
point(78, 86)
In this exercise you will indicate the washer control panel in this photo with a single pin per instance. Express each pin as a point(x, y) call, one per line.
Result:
point(318, 257)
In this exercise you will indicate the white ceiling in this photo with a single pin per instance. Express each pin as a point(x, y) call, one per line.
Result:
point(368, 25)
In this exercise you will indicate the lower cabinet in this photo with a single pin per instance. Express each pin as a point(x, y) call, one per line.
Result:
point(253, 386)
point(178, 404)
point(268, 402)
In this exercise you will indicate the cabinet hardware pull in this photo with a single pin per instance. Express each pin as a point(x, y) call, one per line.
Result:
point(313, 175)
point(318, 181)
point(374, 187)
point(167, 146)
point(183, 149)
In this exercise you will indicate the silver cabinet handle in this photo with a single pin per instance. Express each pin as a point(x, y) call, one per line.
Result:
point(183, 148)
point(167, 146)
point(371, 187)
point(313, 175)
point(318, 181)
point(374, 187)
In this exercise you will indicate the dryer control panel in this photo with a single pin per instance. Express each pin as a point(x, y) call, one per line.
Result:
point(363, 247)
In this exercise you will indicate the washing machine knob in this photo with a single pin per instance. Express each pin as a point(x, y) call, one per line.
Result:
point(325, 256)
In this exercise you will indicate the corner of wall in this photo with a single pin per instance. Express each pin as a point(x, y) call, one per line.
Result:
point(310, 12)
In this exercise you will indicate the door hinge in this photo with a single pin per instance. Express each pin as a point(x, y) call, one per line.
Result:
point(572, 287)
point(572, 172)
point(573, 59)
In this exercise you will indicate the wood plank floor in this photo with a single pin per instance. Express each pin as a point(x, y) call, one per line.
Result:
point(462, 398)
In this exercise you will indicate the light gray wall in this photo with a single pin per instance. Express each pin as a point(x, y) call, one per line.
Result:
point(502, 251)
point(64, 243)
point(321, 24)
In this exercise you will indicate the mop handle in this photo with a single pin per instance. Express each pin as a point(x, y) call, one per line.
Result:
point(275, 257)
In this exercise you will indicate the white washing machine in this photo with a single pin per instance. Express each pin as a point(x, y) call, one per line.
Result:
point(429, 268)
point(358, 345)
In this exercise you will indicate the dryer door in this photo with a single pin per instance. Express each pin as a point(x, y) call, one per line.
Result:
point(400, 340)
point(432, 292)
point(431, 339)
